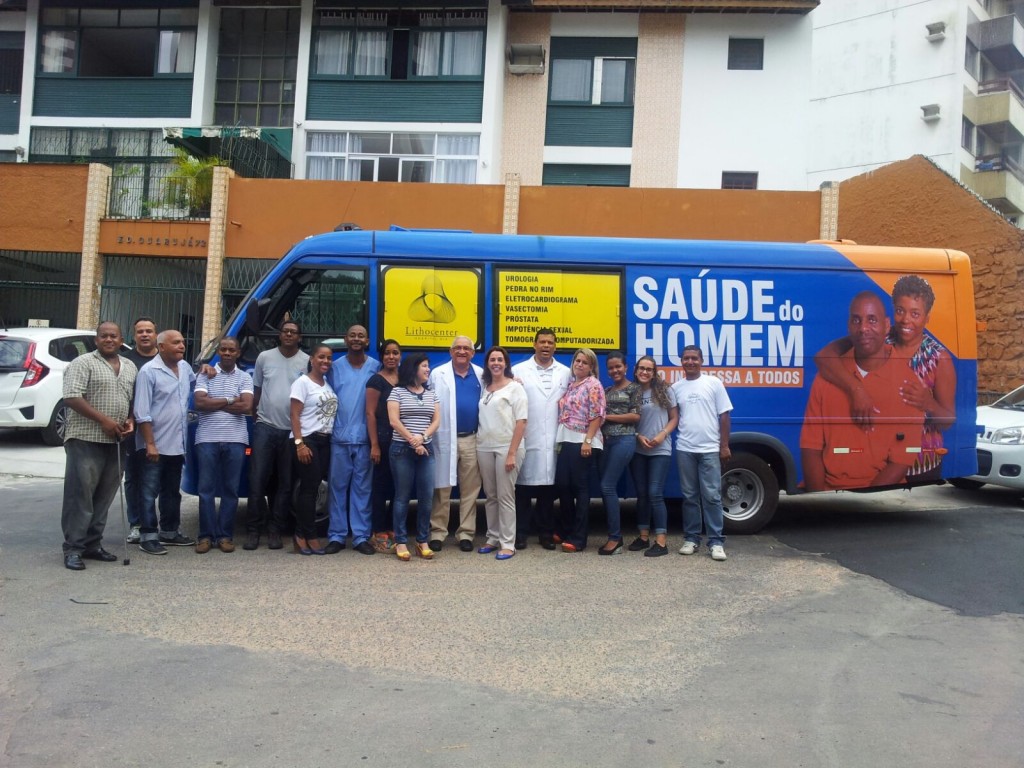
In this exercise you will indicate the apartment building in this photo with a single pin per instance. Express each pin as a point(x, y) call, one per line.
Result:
point(642, 93)
point(942, 78)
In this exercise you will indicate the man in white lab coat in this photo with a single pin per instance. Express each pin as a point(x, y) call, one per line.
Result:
point(545, 380)
point(457, 385)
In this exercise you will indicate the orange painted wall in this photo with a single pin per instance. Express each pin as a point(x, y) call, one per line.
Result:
point(912, 202)
point(267, 216)
point(42, 206)
point(699, 214)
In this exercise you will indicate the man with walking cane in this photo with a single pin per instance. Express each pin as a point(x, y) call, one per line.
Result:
point(98, 389)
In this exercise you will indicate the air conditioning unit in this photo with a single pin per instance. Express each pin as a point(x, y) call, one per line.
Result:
point(525, 59)
point(936, 31)
point(930, 112)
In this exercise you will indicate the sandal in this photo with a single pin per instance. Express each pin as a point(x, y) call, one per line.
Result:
point(423, 550)
point(402, 552)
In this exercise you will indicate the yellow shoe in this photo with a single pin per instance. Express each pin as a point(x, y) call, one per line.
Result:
point(424, 551)
point(402, 552)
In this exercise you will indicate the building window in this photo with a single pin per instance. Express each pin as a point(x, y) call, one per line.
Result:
point(746, 53)
point(12, 54)
point(967, 135)
point(601, 80)
point(256, 64)
point(739, 179)
point(373, 156)
point(400, 44)
point(101, 42)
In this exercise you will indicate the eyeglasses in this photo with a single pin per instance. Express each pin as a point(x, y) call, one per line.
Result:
point(644, 368)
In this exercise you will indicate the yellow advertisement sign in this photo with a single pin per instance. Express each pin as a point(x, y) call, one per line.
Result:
point(429, 306)
point(583, 308)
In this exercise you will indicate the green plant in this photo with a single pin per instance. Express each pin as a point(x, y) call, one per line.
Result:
point(190, 185)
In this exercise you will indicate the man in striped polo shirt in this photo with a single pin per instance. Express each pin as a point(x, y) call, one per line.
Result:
point(221, 438)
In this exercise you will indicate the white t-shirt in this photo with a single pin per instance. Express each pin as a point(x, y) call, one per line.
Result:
point(701, 401)
point(319, 405)
point(499, 412)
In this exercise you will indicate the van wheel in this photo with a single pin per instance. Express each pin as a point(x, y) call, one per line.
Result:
point(750, 493)
point(965, 483)
point(53, 433)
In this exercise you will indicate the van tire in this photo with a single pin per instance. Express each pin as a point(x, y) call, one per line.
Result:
point(53, 433)
point(750, 493)
point(965, 483)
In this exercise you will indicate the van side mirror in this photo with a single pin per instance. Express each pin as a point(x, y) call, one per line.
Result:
point(256, 315)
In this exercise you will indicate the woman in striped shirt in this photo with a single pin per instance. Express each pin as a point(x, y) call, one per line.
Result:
point(415, 415)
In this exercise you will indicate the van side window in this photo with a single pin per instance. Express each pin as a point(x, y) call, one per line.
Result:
point(325, 302)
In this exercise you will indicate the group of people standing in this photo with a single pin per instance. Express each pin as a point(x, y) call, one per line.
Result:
point(385, 432)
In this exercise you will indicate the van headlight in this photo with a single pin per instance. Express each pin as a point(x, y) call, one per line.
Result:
point(1008, 436)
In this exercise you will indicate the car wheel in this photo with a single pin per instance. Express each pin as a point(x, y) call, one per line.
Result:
point(750, 493)
point(53, 433)
point(965, 483)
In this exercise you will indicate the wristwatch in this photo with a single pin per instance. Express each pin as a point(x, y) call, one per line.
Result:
point(298, 442)
point(231, 400)
point(588, 440)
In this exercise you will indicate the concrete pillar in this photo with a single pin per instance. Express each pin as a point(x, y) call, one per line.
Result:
point(510, 215)
point(828, 227)
point(212, 299)
point(91, 275)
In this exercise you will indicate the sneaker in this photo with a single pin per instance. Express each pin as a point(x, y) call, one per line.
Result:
point(638, 544)
point(717, 552)
point(203, 546)
point(656, 550)
point(688, 548)
point(152, 547)
point(274, 540)
point(252, 541)
point(134, 535)
point(226, 545)
point(177, 539)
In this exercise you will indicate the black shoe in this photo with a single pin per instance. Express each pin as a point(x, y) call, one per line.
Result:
point(73, 562)
point(520, 544)
point(99, 554)
point(614, 551)
point(365, 548)
point(656, 550)
point(639, 543)
point(177, 540)
point(437, 545)
point(334, 547)
point(547, 543)
point(151, 547)
point(274, 540)
point(252, 541)
point(466, 545)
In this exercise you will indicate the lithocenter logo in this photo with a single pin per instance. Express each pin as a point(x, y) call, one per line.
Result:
point(432, 305)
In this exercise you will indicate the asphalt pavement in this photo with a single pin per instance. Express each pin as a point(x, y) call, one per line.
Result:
point(878, 630)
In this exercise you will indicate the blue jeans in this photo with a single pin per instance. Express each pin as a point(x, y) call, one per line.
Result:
point(412, 472)
point(272, 450)
point(700, 475)
point(618, 450)
point(572, 476)
point(649, 473)
point(161, 479)
point(348, 500)
point(90, 485)
point(220, 470)
point(133, 461)
point(383, 486)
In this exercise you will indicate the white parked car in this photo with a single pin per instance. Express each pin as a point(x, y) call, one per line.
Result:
point(1000, 444)
point(32, 363)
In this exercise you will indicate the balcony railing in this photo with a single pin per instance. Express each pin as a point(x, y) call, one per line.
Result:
point(1000, 162)
point(999, 85)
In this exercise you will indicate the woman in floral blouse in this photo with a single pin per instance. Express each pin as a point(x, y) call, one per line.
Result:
point(581, 412)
